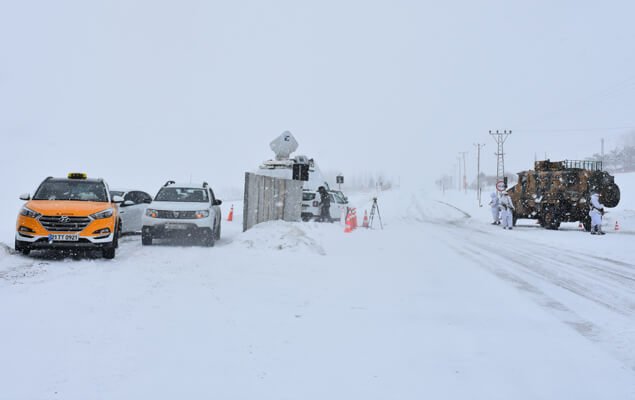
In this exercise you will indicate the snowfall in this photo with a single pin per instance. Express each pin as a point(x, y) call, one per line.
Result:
point(440, 304)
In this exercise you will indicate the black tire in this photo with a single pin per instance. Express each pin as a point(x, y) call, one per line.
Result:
point(115, 240)
point(218, 232)
point(110, 251)
point(146, 239)
point(550, 220)
point(19, 247)
point(209, 239)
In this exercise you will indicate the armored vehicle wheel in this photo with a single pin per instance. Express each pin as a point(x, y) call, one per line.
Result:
point(550, 220)
point(586, 222)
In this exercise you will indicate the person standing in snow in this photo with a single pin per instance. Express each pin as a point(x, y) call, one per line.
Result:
point(507, 209)
point(325, 205)
point(495, 206)
point(596, 212)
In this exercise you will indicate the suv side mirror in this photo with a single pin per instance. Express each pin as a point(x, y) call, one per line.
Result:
point(218, 202)
point(127, 203)
point(147, 201)
point(117, 199)
point(25, 197)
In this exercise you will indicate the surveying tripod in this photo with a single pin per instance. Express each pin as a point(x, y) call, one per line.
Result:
point(374, 210)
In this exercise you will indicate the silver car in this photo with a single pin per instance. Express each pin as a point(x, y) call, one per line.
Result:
point(132, 208)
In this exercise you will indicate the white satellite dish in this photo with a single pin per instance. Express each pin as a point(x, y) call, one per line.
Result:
point(284, 145)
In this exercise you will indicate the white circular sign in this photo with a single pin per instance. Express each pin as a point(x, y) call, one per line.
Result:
point(500, 186)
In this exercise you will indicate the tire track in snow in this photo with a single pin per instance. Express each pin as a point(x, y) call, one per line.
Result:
point(554, 280)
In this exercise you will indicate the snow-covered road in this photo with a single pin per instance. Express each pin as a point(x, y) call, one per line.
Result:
point(438, 305)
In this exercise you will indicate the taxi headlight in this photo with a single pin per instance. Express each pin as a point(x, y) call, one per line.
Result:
point(29, 213)
point(152, 213)
point(103, 214)
point(202, 214)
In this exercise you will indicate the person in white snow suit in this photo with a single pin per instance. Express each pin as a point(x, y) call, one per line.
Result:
point(507, 209)
point(495, 206)
point(596, 212)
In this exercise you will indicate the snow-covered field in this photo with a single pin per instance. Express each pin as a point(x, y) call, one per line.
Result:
point(440, 304)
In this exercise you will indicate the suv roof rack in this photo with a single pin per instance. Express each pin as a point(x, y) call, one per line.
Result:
point(168, 183)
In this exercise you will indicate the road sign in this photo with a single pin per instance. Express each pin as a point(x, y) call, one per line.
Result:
point(500, 186)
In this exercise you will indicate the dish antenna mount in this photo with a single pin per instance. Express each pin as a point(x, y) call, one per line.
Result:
point(284, 145)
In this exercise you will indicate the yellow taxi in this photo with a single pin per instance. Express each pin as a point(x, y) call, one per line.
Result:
point(72, 213)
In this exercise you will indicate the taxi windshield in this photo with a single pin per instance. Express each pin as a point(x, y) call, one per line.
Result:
point(77, 190)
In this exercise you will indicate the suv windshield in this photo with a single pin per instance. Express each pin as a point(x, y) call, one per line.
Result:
point(78, 190)
point(308, 196)
point(339, 197)
point(182, 194)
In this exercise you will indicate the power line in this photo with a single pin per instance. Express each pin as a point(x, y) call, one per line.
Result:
point(575, 130)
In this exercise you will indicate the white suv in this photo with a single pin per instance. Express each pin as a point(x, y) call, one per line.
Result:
point(183, 211)
point(311, 205)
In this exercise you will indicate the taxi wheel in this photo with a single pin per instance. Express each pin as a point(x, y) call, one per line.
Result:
point(109, 252)
point(21, 248)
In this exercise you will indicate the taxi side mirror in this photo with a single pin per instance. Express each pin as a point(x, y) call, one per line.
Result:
point(117, 199)
point(25, 197)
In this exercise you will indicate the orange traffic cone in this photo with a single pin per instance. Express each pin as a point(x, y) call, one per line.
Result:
point(617, 226)
point(365, 223)
point(354, 218)
point(349, 223)
point(230, 217)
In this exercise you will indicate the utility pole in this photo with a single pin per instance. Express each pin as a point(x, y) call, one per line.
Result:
point(463, 153)
point(478, 172)
point(500, 138)
point(602, 152)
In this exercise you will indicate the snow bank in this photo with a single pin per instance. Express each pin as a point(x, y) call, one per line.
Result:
point(280, 236)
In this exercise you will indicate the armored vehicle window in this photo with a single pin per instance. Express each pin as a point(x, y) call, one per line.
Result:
point(571, 179)
point(523, 184)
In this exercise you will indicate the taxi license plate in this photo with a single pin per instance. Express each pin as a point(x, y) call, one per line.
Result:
point(64, 237)
point(176, 226)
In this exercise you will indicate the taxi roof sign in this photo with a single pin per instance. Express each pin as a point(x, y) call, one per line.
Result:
point(77, 175)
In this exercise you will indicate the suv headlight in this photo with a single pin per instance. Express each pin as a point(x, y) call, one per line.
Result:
point(202, 214)
point(152, 213)
point(27, 212)
point(103, 214)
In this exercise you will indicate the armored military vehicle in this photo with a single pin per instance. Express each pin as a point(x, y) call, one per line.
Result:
point(560, 191)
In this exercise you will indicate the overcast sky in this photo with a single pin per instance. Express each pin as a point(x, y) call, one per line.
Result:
point(143, 91)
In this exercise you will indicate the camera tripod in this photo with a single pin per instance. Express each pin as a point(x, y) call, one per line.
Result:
point(375, 210)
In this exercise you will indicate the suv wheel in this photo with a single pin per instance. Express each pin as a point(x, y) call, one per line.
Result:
point(146, 239)
point(209, 238)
